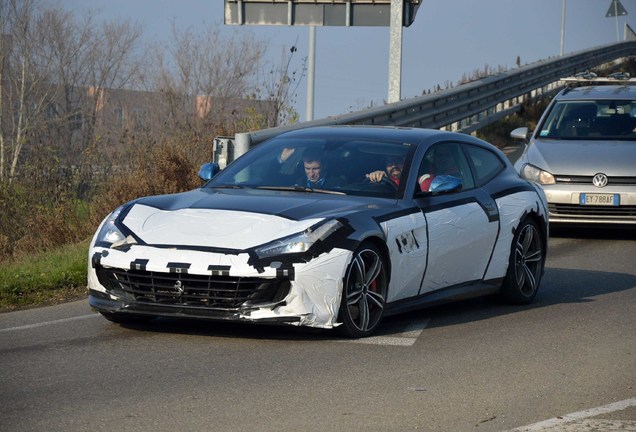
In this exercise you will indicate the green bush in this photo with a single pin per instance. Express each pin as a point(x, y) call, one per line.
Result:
point(44, 278)
point(162, 169)
point(13, 208)
point(51, 206)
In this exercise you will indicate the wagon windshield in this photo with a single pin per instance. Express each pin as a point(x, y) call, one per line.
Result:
point(326, 165)
point(591, 120)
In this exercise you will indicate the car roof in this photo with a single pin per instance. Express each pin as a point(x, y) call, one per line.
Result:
point(404, 134)
point(598, 92)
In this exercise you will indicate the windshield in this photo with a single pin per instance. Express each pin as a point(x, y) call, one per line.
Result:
point(318, 165)
point(591, 120)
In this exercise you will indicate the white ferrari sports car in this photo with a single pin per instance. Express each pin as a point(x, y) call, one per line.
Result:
point(330, 227)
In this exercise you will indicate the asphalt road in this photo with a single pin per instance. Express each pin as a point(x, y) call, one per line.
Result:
point(567, 361)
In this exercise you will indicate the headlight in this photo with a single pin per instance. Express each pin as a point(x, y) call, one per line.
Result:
point(300, 242)
point(109, 233)
point(537, 175)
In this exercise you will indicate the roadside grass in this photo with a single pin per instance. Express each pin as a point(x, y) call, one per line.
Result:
point(45, 278)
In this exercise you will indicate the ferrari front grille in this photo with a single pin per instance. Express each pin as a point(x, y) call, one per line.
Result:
point(208, 291)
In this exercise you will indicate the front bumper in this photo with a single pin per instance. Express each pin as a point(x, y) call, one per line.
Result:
point(564, 205)
point(144, 280)
point(104, 302)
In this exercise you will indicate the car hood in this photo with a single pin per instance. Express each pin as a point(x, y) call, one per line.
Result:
point(235, 219)
point(585, 158)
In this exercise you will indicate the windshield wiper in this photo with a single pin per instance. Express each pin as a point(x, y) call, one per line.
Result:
point(300, 189)
point(227, 186)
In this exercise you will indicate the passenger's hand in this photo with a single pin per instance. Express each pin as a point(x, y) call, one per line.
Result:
point(287, 152)
point(423, 178)
point(425, 182)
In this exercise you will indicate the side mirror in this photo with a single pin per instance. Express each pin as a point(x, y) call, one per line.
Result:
point(520, 133)
point(209, 170)
point(446, 183)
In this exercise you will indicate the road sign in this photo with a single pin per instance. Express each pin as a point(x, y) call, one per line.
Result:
point(616, 9)
point(394, 14)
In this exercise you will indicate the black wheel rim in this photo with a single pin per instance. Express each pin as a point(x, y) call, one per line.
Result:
point(528, 260)
point(366, 290)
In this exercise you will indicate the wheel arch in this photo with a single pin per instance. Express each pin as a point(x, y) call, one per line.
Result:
point(384, 250)
point(543, 228)
point(354, 322)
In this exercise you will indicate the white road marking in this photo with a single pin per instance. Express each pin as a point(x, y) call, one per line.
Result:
point(385, 340)
point(46, 323)
point(406, 337)
point(597, 425)
point(577, 421)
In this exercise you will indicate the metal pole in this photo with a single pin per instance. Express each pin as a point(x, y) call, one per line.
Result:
point(239, 8)
point(618, 38)
point(395, 51)
point(562, 27)
point(242, 143)
point(311, 73)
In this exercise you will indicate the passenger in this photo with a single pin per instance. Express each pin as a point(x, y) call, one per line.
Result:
point(443, 164)
point(315, 170)
point(393, 171)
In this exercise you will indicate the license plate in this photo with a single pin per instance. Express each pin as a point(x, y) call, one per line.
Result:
point(599, 199)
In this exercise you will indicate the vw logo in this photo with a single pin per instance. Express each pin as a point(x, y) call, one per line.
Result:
point(179, 287)
point(600, 180)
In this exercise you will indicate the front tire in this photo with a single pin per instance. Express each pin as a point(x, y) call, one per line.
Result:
point(525, 267)
point(364, 292)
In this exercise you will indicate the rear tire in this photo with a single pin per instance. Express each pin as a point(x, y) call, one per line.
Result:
point(364, 292)
point(525, 267)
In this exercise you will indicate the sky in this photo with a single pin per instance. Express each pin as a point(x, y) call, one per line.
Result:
point(448, 39)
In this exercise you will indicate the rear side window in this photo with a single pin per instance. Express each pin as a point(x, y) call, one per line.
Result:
point(444, 159)
point(485, 163)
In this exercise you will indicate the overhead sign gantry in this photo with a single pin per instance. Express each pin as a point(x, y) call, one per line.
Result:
point(393, 13)
point(317, 12)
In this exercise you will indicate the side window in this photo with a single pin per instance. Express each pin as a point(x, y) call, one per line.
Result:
point(444, 159)
point(486, 164)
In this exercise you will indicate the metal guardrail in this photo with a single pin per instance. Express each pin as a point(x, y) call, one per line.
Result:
point(467, 107)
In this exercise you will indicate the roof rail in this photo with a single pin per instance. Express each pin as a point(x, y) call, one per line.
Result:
point(591, 78)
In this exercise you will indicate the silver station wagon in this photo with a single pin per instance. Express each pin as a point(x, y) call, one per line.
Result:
point(583, 153)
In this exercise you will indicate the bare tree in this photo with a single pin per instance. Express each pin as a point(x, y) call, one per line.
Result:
point(226, 81)
point(54, 71)
point(24, 80)
point(204, 77)
point(278, 89)
point(113, 64)
point(88, 60)
point(66, 83)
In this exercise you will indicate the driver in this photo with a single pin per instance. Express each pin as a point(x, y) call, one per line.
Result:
point(393, 171)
